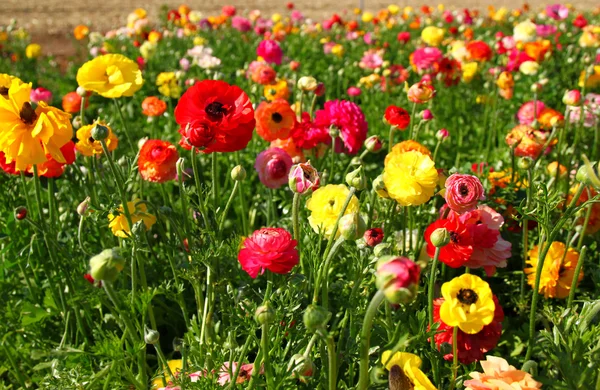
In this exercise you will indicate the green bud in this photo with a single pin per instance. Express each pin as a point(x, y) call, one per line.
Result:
point(524, 163)
point(316, 317)
point(586, 175)
point(151, 336)
point(264, 314)
point(357, 178)
point(334, 132)
point(100, 132)
point(440, 237)
point(383, 249)
point(301, 366)
point(379, 187)
point(238, 173)
point(352, 226)
point(106, 265)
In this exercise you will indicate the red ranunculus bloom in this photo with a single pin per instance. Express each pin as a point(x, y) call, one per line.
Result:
point(397, 116)
point(373, 236)
point(459, 249)
point(157, 161)
point(471, 347)
point(215, 117)
point(307, 135)
point(270, 248)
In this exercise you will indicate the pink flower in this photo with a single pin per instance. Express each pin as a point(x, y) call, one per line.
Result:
point(373, 236)
point(328, 46)
point(273, 166)
point(528, 112)
point(463, 192)
point(574, 115)
point(426, 115)
point(349, 119)
point(544, 30)
point(572, 98)
point(425, 58)
point(270, 248)
point(398, 278)
point(369, 38)
point(515, 59)
point(243, 376)
point(303, 177)
point(228, 10)
point(498, 374)
point(371, 60)
point(40, 95)
point(307, 135)
point(296, 16)
point(353, 91)
point(557, 11)
point(241, 24)
point(270, 51)
point(184, 63)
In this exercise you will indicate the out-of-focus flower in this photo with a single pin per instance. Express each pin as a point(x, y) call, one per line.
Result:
point(463, 192)
point(557, 11)
point(590, 37)
point(106, 265)
point(432, 35)
point(594, 221)
point(469, 70)
point(273, 166)
point(410, 177)
point(268, 248)
point(277, 90)
point(549, 118)
point(303, 178)
point(525, 31)
point(407, 146)
point(426, 58)
point(168, 85)
point(111, 76)
point(307, 83)
point(157, 160)
point(498, 374)
point(270, 51)
point(397, 117)
point(398, 278)
point(81, 32)
point(40, 95)
point(33, 50)
point(420, 93)
point(71, 103)
point(88, 146)
point(138, 211)
point(527, 141)
point(349, 119)
point(529, 111)
point(529, 68)
point(405, 367)
point(353, 91)
point(325, 206)
point(572, 98)
point(468, 303)
point(153, 106)
point(274, 120)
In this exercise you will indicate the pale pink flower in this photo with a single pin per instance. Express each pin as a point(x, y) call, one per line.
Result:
point(498, 375)
point(243, 376)
point(425, 58)
point(372, 59)
point(463, 192)
point(273, 166)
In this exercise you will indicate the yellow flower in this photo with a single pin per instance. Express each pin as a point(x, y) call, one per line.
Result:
point(590, 37)
point(5, 82)
point(593, 79)
point(278, 90)
point(325, 206)
point(500, 15)
point(175, 365)
point(87, 146)
point(168, 85)
point(338, 50)
point(468, 303)
point(469, 71)
point(111, 76)
point(410, 177)
point(367, 17)
point(432, 35)
point(148, 49)
point(29, 135)
point(138, 210)
point(525, 31)
point(276, 18)
point(529, 68)
point(394, 9)
point(558, 270)
point(405, 368)
point(33, 50)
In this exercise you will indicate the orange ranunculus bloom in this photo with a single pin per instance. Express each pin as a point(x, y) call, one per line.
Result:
point(505, 81)
point(594, 222)
point(81, 31)
point(291, 148)
point(157, 161)
point(71, 103)
point(153, 106)
point(528, 142)
point(479, 51)
point(549, 116)
point(537, 50)
point(274, 120)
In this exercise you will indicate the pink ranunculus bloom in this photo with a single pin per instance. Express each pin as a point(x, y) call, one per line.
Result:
point(303, 178)
point(297, 16)
point(463, 192)
point(184, 63)
point(349, 119)
point(270, 51)
point(243, 376)
point(557, 11)
point(528, 112)
point(40, 94)
point(545, 30)
point(268, 248)
point(398, 278)
point(241, 24)
point(371, 59)
point(574, 115)
point(352, 35)
point(425, 58)
point(369, 38)
point(515, 59)
point(498, 374)
point(273, 166)
point(353, 91)
point(328, 46)
point(572, 98)
point(229, 10)
point(427, 115)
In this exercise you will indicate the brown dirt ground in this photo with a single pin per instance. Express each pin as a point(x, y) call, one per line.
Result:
point(51, 21)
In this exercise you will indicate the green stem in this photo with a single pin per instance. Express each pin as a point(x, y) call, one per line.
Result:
point(430, 289)
point(323, 278)
point(215, 181)
point(228, 205)
point(81, 109)
point(576, 276)
point(116, 303)
point(123, 123)
point(391, 138)
point(331, 360)
point(332, 160)
point(183, 198)
point(337, 222)
point(241, 357)
point(365, 336)
point(454, 357)
point(198, 181)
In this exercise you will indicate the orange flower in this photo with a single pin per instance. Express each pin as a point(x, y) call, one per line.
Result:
point(537, 50)
point(594, 222)
point(153, 106)
point(407, 146)
point(291, 148)
point(558, 270)
point(549, 116)
point(498, 374)
point(479, 51)
point(274, 120)
point(81, 31)
point(71, 103)
point(157, 161)
point(420, 92)
point(502, 179)
point(527, 141)
point(278, 90)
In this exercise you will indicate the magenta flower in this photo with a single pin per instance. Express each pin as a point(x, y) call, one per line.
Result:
point(40, 95)
point(353, 91)
point(273, 166)
point(398, 277)
point(544, 30)
point(269, 248)
point(270, 51)
point(303, 177)
point(349, 119)
point(241, 24)
point(463, 192)
point(425, 58)
point(557, 11)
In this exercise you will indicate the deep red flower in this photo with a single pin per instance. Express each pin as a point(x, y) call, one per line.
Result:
point(52, 168)
point(459, 249)
point(373, 236)
point(471, 347)
point(8, 168)
point(270, 248)
point(215, 117)
point(403, 37)
point(580, 21)
point(397, 116)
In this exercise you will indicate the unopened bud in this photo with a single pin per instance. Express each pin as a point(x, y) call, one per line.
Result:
point(151, 336)
point(20, 213)
point(440, 237)
point(315, 317)
point(373, 144)
point(383, 249)
point(264, 314)
point(357, 178)
point(100, 132)
point(301, 366)
point(442, 134)
point(83, 207)
point(81, 91)
point(524, 163)
point(352, 226)
point(583, 173)
point(334, 132)
point(379, 187)
point(238, 173)
point(106, 265)
point(307, 83)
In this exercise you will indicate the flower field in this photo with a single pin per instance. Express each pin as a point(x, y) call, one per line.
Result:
point(402, 199)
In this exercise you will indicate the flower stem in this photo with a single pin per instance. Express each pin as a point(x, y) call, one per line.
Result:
point(454, 357)
point(123, 123)
point(337, 222)
point(576, 276)
point(391, 138)
point(228, 205)
point(365, 336)
point(215, 181)
point(183, 197)
point(198, 181)
point(430, 288)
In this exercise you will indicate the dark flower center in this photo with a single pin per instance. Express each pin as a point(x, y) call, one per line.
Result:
point(216, 111)
point(467, 296)
point(3, 91)
point(463, 190)
point(454, 237)
point(91, 140)
point(28, 115)
point(398, 380)
point(276, 117)
point(331, 202)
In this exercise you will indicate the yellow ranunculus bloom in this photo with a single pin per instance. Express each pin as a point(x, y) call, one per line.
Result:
point(29, 135)
point(338, 50)
point(468, 304)
point(111, 76)
point(33, 50)
point(410, 177)
point(367, 17)
point(87, 146)
point(593, 79)
point(432, 35)
point(325, 206)
point(138, 210)
point(278, 90)
point(590, 37)
point(529, 68)
point(5, 82)
point(410, 369)
point(148, 49)
point(175, 365)
point(469, 71)
point(168, 85)
point(558, 270)
point(525, 31)
point(393, 8)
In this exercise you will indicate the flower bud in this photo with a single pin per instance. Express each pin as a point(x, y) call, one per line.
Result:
point(357, 179)
point(238, 173)
point(524, 163)
point(334, 132)
point(76, 122)
point(81, 91)
point(572, 98)
point(373, 144)
point(426, 115)
point(83, 207)
point(307, 83)
point(398, 278)
point(315, 317)
point(440, 237)
point(352, 226)
point(20, 213)
point(442, 134)
point(303, 178)
point(151, 336)
point(379, 187)
point(373, 236)
point(139, 229)
point(585, 173)
point(383, 249)
point(106, 265)
point(301, 366)
point(264, 314)
point(592, 175)
point(100, 132)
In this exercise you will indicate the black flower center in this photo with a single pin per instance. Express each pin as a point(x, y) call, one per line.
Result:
point(3, 91)
point(463, 189)
point(28, 115)
point(216, 111)
point(467, 296)
point(398, 380)
point(454, 237)
point(331, 202)
point(276, 117)
point(91, 140)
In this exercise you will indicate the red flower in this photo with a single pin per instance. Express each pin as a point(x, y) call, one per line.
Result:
point(307, 135)
point(459, 249)
point(92, 281)
point(270, 248)
point(71, 103)
point(8, 168)
point(215, 117)
point(397, 116)
point(580, 21)
point(479, 51)
point(403, 37)
point(471, 347)
point(157, 161)
point(373, 236)
point(52, 168)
